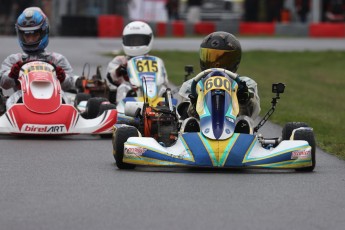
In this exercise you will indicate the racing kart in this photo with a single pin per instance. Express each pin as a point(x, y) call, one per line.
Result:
point(147, 76)
point(42, 108)
point(217, 144)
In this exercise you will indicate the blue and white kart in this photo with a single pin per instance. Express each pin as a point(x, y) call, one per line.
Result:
point(148, 78)
point(216, 144)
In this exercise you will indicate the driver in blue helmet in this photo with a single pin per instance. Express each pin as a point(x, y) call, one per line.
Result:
point(223, 50)
point(32, 29)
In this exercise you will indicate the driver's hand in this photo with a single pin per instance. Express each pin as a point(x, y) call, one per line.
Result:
point(14, 73)
point(60, 74)
point(121, 71)
point(193, 99)
point(243, 95)
point(192, 107)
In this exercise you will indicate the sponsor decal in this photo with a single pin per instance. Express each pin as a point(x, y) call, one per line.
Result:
point(147, 77)
point(28, 128)
point(301, 154)
point(180, 156)
point(230, 119)
point(134, 150)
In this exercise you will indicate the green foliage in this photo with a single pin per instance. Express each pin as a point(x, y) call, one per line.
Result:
point(314, 91)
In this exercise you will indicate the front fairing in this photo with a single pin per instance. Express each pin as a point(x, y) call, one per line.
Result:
point(40, 87)
point(217, 106)
point(148, 74)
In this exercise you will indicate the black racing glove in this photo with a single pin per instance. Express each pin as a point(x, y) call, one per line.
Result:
point(192, 107)
point(193, 99)
point(243, 95)
point(122, 71)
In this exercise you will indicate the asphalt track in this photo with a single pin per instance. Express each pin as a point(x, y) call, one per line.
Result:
point(72, 182)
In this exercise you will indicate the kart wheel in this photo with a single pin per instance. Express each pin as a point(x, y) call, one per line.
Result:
point(120, 136)
point(81, 97)
point(93, 106)
point(102, 108)
point(289, 127)
point(307, 135)
point(112, 96)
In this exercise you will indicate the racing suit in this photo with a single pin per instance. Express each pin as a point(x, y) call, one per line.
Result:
point(7, 83)
point(119, 81)
point(248, 111)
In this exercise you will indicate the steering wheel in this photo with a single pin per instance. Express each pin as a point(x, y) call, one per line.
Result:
point(40, 60)
point(204, 73)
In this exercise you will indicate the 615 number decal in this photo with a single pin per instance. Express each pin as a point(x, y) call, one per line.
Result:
point(147, 66)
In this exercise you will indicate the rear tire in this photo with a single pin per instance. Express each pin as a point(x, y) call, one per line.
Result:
point(93, 106)
point(120, 136)
point(112, 96)
point(81, 97)
point(307, 135)
point(102, 108)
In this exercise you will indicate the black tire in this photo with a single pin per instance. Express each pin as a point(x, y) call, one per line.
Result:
point(81, 97)
point(112, 96)
point(307, 135)
point(289, 127)
point(120, 136)
point(93, 106)
point(102, 108)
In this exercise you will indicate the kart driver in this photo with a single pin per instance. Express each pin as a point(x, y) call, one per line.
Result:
point(137, 40)
point(32, 29)
point(223, 50)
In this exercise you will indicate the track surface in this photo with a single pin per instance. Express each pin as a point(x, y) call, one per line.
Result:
point(72, 182)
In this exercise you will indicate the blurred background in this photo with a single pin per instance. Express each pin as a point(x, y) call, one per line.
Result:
point(81, 17)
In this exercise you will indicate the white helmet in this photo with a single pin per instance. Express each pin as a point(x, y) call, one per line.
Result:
point(137, 39)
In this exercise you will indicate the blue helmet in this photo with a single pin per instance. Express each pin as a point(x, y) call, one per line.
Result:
point(33, 21)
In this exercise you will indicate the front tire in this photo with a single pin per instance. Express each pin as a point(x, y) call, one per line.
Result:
point(289, 127)
point(120, 136)
point(307, 135)
point(302, 134)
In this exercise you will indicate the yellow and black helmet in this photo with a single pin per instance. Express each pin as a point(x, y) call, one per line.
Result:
point(220, 50)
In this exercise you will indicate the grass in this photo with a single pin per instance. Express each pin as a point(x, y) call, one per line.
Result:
point(314, 91)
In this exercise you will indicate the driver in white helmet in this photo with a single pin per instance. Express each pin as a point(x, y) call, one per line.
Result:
point(137, 39)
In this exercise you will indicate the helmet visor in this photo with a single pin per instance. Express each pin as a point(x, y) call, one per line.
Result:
point(137, 40)
point(212, 58)
point(30, 37)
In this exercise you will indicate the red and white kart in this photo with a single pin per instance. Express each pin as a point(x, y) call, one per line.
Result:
point(42, 108)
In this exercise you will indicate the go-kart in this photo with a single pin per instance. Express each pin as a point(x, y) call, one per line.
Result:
point(217, 145)
point(92, 95)
point(147, 76)
point(41, 108)
point(159, 122)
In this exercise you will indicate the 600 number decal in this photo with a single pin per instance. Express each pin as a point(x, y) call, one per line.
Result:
point(219, 83)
